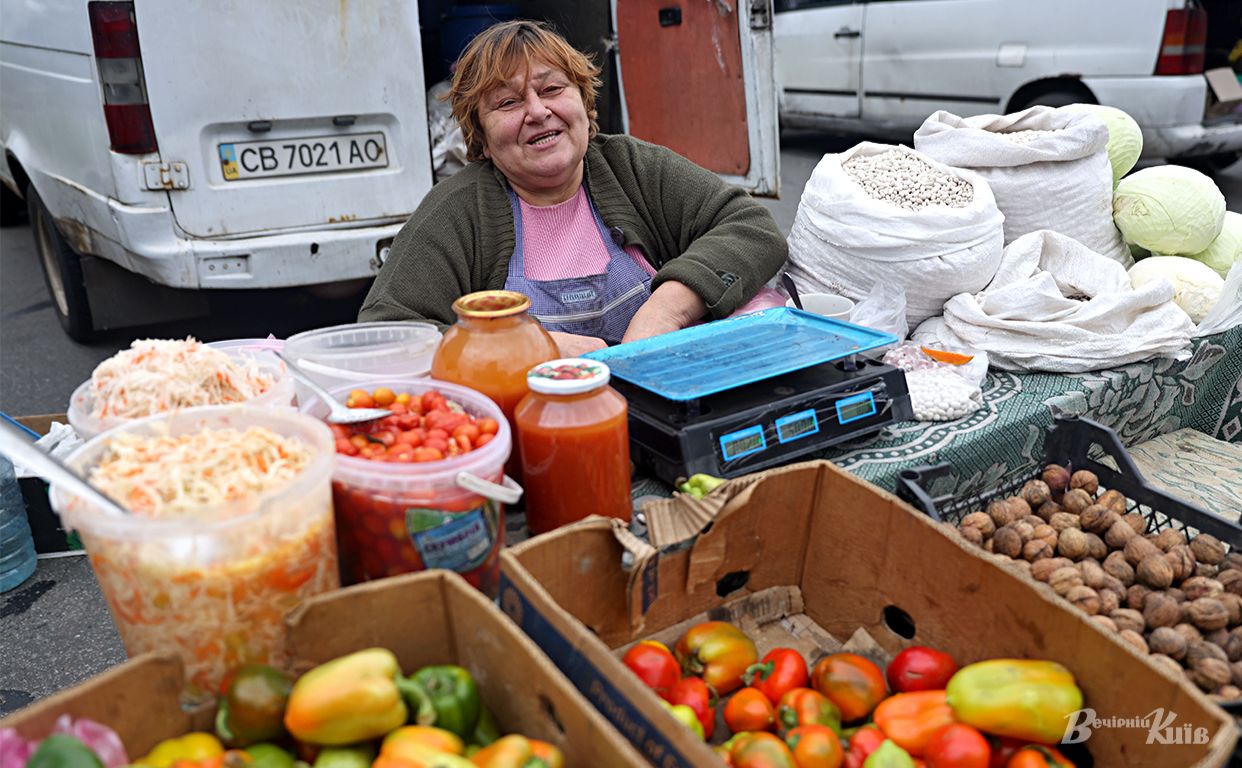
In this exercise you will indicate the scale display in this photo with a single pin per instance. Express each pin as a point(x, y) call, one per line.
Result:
point(797, 425)
point(743, 442)
point(859, 406)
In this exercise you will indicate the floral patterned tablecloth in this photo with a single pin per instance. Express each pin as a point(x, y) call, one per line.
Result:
point(1005, 436)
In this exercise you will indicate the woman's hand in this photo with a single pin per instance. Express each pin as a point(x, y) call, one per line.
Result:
point(573, 345)
point(671, 307)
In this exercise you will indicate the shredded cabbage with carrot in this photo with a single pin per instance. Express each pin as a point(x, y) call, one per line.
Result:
point(158, 375)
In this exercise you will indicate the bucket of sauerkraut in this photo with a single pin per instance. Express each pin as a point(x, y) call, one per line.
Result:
point(157, 376)
point(230, 527)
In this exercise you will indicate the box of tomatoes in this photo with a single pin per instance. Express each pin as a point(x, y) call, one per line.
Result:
point(835, 626)
point(432, 621)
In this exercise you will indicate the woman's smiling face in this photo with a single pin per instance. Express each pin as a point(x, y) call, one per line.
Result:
point(535, 130)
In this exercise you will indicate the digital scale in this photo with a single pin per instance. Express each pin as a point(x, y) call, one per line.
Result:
point(747, 393)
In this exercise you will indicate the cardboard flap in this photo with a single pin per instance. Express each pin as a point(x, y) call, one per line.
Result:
point(672, 521)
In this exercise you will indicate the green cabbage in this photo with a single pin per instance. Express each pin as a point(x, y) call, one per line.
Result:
point(1196, 288)
point(1169, 209)
point(1226, 248)
point(1125, 138)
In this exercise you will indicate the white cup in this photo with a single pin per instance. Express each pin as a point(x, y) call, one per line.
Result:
point(827, 304)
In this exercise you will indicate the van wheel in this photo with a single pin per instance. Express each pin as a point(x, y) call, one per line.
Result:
point(1209, 164)
point(62, 271)
point(12, 207)
point(1056, 98)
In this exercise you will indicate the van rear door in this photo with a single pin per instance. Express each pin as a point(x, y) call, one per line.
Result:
point(287, 115)
point(697, 77)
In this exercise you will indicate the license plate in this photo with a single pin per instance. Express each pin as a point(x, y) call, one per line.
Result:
point(296, 157)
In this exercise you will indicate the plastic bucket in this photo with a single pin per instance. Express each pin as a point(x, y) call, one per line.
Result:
point(213, 587)
point(462, 22)
point(395, 518)
point(279, 394)
point(362, 354)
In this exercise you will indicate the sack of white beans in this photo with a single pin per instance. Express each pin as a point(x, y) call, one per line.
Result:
point(1048, 168)
point(884, 213)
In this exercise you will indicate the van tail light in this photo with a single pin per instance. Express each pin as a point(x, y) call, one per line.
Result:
point(1185, 40)
point(126, 109)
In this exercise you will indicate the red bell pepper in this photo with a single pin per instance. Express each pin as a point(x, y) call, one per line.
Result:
point(854, 683)
point(865, 740)
point(782, 670)
point(749, 710)
point(698, 695)
point(911, 719)
point(654, 664)
point(919, 668)
point(1039, 756)
point(815, 746)
point(718, 652)
point(760, 750)
point(958, 746)
point(804, 706)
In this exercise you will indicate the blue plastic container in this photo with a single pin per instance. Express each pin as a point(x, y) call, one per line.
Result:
point(462, 22)
point(17, 550)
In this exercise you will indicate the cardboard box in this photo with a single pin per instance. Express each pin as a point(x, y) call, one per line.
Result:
point(432, 617)
point(842, 555)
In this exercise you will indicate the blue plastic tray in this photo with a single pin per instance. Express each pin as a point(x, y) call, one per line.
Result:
point(726, 354)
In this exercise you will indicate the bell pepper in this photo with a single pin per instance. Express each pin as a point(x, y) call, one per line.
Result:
point(359, 756)
point(550, 754)
point(397, 742)
point(654, 664)
point(1038, 756)
point(349, 699)
point(889, 755)
point(253, 706)
point(759, 749)
point(958, 746)
point(863, 741)
point(195, 746)
point(229, 758)
point(815, 746)
point(686, 716)
point(699, 485)
point(60, 750)
point(749, 710)
point(804, 706)
point(485, 731)
point(1022, 698)
point(453, 695)
point(698, 695)
point(854, 683)
point(270, 756)
point(718, 652)
point(911, 719)
point(780, 671)
point(515, 751)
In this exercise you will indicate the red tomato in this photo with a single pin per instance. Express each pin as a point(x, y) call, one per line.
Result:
point(919, 668)
point(484, 439)
point(655, 665)
point(437, 444)
point(698, 695)
point(470, 431)
point(430, 399)
point(777, 673)
point(488, 426)
point(864, 741)
point(344, 446)
point(957, 746)
point(1003, 748)
point(410, 437)
point(815, 746)
point(855, 684)
point(749, 710)
point(427, 453)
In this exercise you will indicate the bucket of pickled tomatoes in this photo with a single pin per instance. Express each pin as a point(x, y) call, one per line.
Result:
point(423, 487)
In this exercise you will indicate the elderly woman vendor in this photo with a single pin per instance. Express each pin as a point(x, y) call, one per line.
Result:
point(612, 238)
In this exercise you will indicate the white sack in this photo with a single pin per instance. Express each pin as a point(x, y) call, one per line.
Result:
point(1228, 310)
point(843, 241)
point(1060, 181)
point(1057, 306)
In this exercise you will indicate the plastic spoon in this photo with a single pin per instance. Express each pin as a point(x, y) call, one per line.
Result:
point(788, 282)
point(338, 412)
point(20, 450)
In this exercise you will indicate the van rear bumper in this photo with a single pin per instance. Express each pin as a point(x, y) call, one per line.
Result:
point(1170, 109)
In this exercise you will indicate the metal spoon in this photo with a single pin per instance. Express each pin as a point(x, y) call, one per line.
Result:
point(338, 412)
point(788, 282)
point(18, 447)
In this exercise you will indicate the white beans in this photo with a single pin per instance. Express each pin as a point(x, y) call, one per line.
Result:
point(940, 395)
point(1024, 137)
point(906, 181)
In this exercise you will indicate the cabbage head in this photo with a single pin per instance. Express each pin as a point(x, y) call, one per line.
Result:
point(1169, 209)
point(1226, 248)
point(1125, 138)
point(1196, 288)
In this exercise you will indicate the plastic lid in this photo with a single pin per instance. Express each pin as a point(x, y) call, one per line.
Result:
point(567, 376)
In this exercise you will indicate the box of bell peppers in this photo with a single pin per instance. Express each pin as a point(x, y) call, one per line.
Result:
point(410, 671)
point(811, 560)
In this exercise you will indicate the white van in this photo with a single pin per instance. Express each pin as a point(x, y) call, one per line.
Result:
point(882, 66)
point(201, 145)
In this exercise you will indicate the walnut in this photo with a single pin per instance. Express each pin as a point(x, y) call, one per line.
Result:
point(1211, 674)
point(1201, 650)
point(1115, 565)
point(1205, 570)
point(1109, 601)
point(1042, 570)
point(1169, 665)
point(1168, 641)
point(1065, 579)
point(1018, 506)
point(1134, 639)
point(1019, 565)
point(1034, 520)
point(1176, 594)
point(1105, 622)
point(1233, 646)
point(1154, 571)
point(1048, 509)
point(1056, 477)
point(1207, 549)
point(1025, 530)
point(1093, 574)
point(1096, 548)
point(1208, 613)
point(1117, 536)
point(1035, 550)
point(1181, 561)
point(1037, 493)
point(1000, 512)
point(1113, 584)
point(1007, 541)
point(1136, 596)
point(1047, 533)
point(1160, 611)
point(1138, 549)
point(1190, 632)
point(1233, 560)
point(1114, 500)
point(971, 534)
point(1097, 518)
point(987, 545)
point(1137, 522)
point(1086, 480)
point(1127, 618)
point(1227, 693)
point(1084, 599)
point(1072, 543)
point(1230, 579)
point(1076, 500)
point(1197, 587)
point(1062, 521)
point(1233, 604)
point(981, 521)
point(1235, 673)
point(1218, 638)
point(1168, 538)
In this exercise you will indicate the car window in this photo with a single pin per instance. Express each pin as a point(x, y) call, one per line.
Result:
point(799, 5)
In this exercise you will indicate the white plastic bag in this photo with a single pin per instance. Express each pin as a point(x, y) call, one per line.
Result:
point(1061, 180)
point(884, 309)
point(1228, 310)
point(843, 241)
point(1057, 306)
point(940, 391)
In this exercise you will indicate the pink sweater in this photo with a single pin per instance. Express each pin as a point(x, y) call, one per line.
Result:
point(562, 240)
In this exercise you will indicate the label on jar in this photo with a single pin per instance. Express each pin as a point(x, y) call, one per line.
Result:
point(457, 541)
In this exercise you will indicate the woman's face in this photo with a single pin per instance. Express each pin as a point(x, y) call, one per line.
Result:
point(535, 130)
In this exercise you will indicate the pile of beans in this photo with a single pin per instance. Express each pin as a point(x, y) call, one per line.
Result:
point(907, 182)
point(1024, 137)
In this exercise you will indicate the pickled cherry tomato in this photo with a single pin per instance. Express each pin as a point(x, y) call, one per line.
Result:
point(420, 428)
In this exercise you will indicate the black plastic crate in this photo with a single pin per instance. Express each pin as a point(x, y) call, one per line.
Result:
point(1076, 444)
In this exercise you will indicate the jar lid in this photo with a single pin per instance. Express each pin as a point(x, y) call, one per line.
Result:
point(491, 304)
point(567, 376)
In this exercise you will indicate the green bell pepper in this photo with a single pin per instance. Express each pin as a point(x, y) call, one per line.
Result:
point(253, 706)
point(60, 750)
point(358, 756)
point(452, 694)
point(486, 730)
point(269, 756)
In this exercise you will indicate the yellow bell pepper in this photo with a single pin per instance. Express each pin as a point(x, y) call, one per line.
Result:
point(1020, 698)
point(349, 699)
point(194, 747)
point(413, 741)
point(515, 751)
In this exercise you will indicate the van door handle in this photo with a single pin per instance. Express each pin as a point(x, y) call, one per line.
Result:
point(846, 32)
